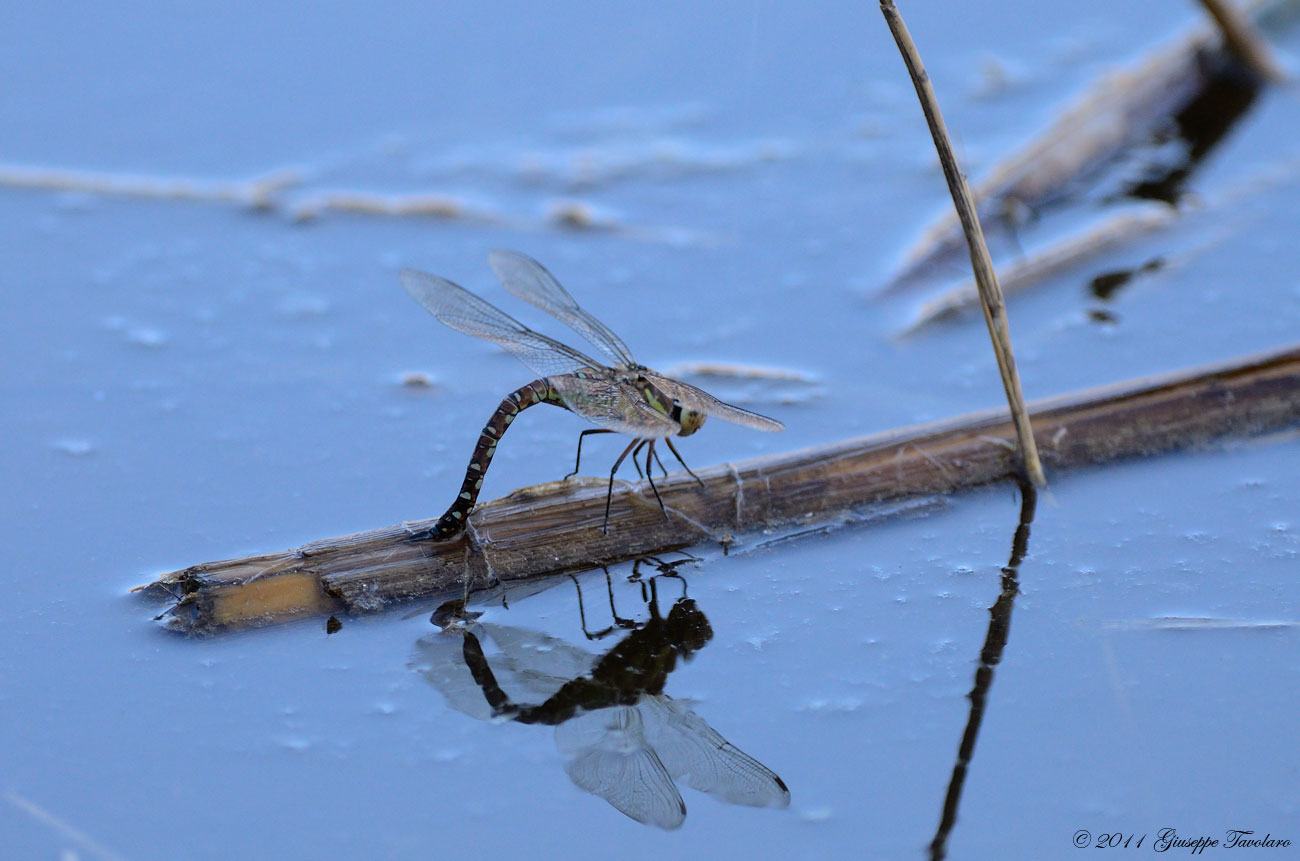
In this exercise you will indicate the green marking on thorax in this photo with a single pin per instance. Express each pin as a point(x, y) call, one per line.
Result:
point(654, 398)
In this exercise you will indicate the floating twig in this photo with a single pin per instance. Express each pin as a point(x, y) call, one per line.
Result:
point(556, 527)
point(1112, 233)
point(733, 370)
point(1118, 111)
point(268, 193)
point(1244, 40)
point(392, 205)
point(258, 193)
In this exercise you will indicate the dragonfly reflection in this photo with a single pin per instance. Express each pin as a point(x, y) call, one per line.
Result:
point(619, 395)
point(624, 739)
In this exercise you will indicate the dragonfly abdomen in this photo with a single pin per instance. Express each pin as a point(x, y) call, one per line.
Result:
point(537, 392)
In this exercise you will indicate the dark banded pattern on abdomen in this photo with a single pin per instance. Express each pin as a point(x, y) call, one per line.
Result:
point(537, 392)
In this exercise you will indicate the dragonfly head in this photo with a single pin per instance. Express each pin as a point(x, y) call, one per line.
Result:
point(655, 395)
point(690, 420)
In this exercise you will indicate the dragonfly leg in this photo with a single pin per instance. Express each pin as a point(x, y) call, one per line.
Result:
point(673, 449)
point(619, 621)
point(577, 462)
point(582, 614)
point(650, 478)
point(658, 461)
point(635, 463)
point(609, 494)
point(477, 662)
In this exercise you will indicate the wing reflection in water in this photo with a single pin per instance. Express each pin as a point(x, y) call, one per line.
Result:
point(623, 738)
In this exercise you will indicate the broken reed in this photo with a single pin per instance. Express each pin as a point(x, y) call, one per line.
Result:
point(556, 527)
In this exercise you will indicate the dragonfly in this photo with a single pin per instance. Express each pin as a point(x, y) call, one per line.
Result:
point(623, 738)
point(618, 395)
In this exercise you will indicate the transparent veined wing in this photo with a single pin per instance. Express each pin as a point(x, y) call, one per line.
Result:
point(529, 280)
point(460, 309)
point(615, 405)
point(536, 662)
point(702, 402)
point(609, 757)
point(688, 746)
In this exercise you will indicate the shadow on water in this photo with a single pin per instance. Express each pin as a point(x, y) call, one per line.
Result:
point(995, 642)
point(623, 738)
point(1173, 154)
point(1226, 94)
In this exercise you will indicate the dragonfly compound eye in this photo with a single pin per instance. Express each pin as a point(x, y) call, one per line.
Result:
point(691, 421)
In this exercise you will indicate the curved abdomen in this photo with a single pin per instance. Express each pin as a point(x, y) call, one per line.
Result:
point(537, 392)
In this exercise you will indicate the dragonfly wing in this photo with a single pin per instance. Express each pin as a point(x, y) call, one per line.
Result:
point(460, 309)
point(615, 405)
point(688, 746)
point(702, 402)
point(529, 280)
point(438, 657)
point(609, 757)
point(535, 662)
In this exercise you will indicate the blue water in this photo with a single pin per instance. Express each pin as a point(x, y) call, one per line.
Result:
point(189, 381)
